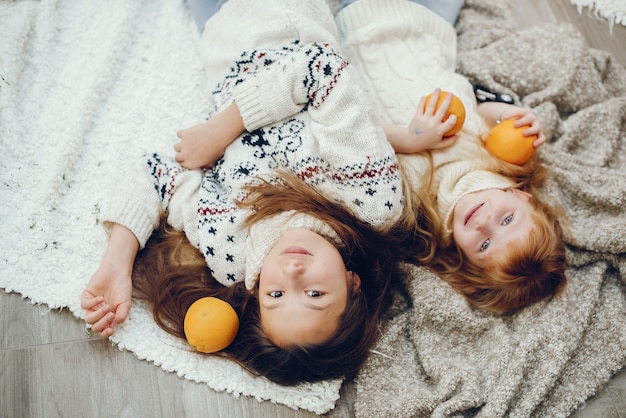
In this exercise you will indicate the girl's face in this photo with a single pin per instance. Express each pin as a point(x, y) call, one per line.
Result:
point(303, 289)
point(485, 222)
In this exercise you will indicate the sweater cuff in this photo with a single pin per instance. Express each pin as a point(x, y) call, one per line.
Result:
point(253, 111)
point(273, 93)
point(138, 210)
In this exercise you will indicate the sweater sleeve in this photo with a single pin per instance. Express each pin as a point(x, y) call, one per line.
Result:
point(151, 187)
point(305, 77)
point(347, 131)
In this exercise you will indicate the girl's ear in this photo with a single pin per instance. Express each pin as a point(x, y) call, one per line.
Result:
point(355, 282)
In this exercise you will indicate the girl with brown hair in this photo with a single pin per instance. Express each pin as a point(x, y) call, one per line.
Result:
point(287, 219)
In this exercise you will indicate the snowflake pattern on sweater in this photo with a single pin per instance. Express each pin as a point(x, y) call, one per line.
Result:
point(289, 144)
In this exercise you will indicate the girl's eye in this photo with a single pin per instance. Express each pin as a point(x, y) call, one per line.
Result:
point(507, 220)
point(485, 245)
point(314, 293)
point(275, 294)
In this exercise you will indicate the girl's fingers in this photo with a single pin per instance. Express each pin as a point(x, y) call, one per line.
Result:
point(520, 121)
point(432, 102)
point(88, 301)
point(106, 333)
point(541, 139)
point(531, 130)
point(448, 124)
point(103, 323)
point(420, 107)
point(524, 118)
point(93, 316)
point(121, 312)
point(445, 105)
point(447, 141)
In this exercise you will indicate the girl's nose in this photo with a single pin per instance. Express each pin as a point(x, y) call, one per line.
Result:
point(293, 268)
point(483, 221)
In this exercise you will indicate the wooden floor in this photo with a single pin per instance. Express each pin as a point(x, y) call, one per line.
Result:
point(50, 367)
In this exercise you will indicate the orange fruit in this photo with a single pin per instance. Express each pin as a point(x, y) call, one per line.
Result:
point(508, 143)
point(210, 325)
point(456, 108)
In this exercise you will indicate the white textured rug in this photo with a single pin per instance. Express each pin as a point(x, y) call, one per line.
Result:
point(614, 11)
point(84, 86)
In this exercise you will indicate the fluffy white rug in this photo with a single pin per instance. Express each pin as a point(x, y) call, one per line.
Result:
point(85, 86)
point(614, 11)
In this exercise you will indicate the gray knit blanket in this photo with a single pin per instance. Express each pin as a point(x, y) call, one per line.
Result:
point(439, 357)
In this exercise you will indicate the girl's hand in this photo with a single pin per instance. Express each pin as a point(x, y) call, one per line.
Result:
point(524, 117)
point(202, 145)
point(426, 129)
point(494, 111)
point(198, 147)
point(107, 297)
point(106, 300)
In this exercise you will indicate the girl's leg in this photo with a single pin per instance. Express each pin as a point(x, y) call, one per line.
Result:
point(345, 3)
point(202, 10)
point(448, 9)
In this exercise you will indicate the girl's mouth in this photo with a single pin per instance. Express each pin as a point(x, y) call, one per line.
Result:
point(471, 213)
point(294, 250)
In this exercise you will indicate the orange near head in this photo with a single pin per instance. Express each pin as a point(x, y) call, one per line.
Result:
point(508, 143)
point(210, 325)
point(456, 108)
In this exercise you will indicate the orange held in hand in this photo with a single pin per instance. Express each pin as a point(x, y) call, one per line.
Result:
point(509, 144)
point(456, 108)
point(210, 324)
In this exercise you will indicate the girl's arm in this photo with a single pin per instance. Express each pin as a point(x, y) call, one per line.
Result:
point(496, 112)
point(203, 144)
point(133, 203)
point(151, 187)
point(107, 297)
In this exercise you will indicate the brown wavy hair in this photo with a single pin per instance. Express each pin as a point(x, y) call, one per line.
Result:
point(533, 269)
point(171, 274)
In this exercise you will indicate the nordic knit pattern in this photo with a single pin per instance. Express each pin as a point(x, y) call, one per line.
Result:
point(329, 138)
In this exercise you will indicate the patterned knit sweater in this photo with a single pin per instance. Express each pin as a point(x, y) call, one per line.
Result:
point(404, 51)
point(304, 112)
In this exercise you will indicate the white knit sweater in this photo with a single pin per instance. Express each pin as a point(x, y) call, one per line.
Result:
point(304, 112)
point(404, 51)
